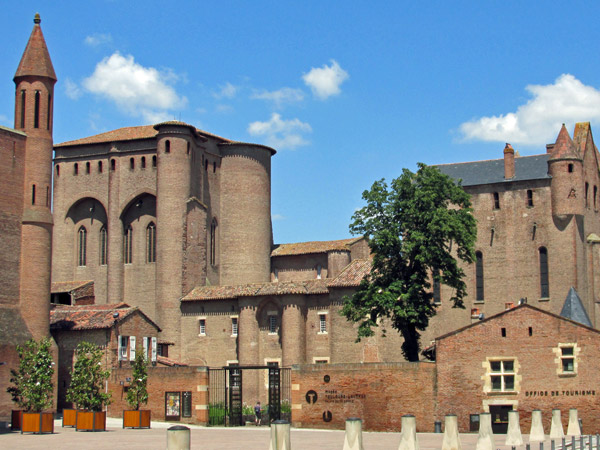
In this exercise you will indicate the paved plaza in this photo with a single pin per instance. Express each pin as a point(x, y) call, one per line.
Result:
point(243, 438)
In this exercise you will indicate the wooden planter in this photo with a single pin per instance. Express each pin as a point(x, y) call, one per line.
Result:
point(90, 421)
point(69, 416)
point(136, 419)
point(16, 419)
point(42, 422)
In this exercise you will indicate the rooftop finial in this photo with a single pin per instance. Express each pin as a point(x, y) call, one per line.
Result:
point(37, 18)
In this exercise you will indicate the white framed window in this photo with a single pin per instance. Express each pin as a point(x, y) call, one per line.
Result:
point(146, 342)
point(201, 327)
point(272, 324)
point(234, 326)
point(154, 348)
point(567, 359)
point(132, 348)
point(322, 323)
point(123, 341)
point(502, 375)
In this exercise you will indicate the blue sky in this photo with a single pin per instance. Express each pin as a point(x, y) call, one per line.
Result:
point(347, 92)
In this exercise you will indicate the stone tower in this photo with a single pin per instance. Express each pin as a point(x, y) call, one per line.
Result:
point(565, 165)
point(34, 80)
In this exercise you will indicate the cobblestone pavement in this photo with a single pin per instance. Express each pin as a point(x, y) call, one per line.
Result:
point(244, 438)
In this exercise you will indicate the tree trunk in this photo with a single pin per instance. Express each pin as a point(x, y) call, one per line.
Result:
point(410, 346)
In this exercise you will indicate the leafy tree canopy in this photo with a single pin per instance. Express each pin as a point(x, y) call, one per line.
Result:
point(137, 394)
point(418, 229)
point(32, 387)
point(87, 379)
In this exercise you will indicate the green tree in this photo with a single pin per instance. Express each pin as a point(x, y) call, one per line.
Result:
point(137, 394)
point(32, 387)
point(417, 230)
point(87, 379)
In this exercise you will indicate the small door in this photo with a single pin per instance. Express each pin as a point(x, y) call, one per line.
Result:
point(499, 415)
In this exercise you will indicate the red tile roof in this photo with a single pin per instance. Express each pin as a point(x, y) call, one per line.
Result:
point(126, 134)
point(36, 59)
point(352, 274)
point(564, 146)
point(254, 290)
point(68, 286)
point(303, 248)
point(91, 317)
point(168, 361)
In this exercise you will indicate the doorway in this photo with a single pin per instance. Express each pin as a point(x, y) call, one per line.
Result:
point(499, 415)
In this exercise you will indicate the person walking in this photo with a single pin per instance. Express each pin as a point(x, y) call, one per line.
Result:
point(257, 413)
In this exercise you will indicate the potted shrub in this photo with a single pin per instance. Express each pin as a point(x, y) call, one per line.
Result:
point(86, 390)
point(137, 395)
point(32, 388)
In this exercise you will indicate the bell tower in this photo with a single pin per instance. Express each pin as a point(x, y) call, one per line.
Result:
point(34, 80)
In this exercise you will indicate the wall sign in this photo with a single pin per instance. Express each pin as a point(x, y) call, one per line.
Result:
point(311, 397)
point(561, 393)
point(327, 416)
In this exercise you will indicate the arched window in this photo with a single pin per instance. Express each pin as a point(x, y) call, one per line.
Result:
point(113, 164)
point(479, 276)
point(103, 246)
point(49, 111)
point(132, 163)
point(75, 169)
point(151, 243)
point(23, 98)
point(143, 162)
point(36, 116)
point(88, 167)
point(213, 242)
point(99, 166)
point(81, 246)
point(167, 146)
point(57, 170)
point(128, 245)
point(544, 279)
point(154, 161)
point(496, 201)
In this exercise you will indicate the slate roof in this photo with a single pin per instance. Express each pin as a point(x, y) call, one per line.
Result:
point(492, 171)
point(36, 58)
point(90, 317)
point(304, 248)
point(573, 309)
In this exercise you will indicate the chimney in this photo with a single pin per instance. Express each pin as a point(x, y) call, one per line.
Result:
point(509, 162)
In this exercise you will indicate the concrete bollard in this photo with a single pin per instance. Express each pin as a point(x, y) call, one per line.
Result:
point(537, 428)
point(485, 440)
point(353, 437)
point(573, 428)
point(513, 435)
point(556, 428)
point(408, 436)
point(178, 438)
point(280, 435)
point(451, 438)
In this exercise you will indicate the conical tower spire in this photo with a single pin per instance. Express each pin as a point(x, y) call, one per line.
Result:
point(36, 59)
point(564, 148)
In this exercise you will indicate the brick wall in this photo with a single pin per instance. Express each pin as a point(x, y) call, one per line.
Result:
point(464, 387)
point(380, 394)
point(160, 381)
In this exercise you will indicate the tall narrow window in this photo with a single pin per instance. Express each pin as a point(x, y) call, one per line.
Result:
point(103, 246)
point(322, 323)
point(570, 168)
point(99, 166)
point(132, 163)
point(88, 167)
point(151, 242)
point(213, 242)
point(202, 327)
point(33, 194)
point(57, 170)
point(496, 201)
point(587, 188)
point(23, 98)
point(49, 111)
point(47, 195)
point(154, 161)
point(595, 196)
point(544, 281)
point(234, 326)
point(479, 276)
point(81, 246)
point(167, 146)
point(529, 198)
point(437, 294)
point(75, 169)
point(143, 162)
point(214, 167)
point(273, 324)
point(113, 164)
point(36, 116)
point(128, 245)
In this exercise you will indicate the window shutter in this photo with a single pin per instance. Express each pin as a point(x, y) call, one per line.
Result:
point(120, 349)
point(132, 348)
point(154, 348)
point(145, 341)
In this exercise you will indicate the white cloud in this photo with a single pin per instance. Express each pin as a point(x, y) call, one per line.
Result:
point(137, 90)
point(325, 81)
point(226, 90)
point(281, 134)
point(97, 39)
point(538, 121)
point(72, 90)
point(277, 217)
point(280, 96)
point(224, 109)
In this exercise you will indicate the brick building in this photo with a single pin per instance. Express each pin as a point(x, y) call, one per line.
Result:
point(25, 216)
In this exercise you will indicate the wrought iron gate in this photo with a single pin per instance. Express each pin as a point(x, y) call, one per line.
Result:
point(225, 394)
